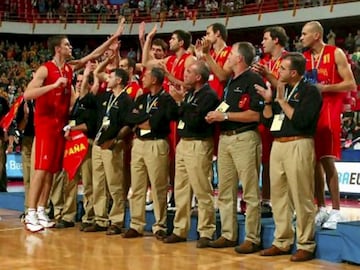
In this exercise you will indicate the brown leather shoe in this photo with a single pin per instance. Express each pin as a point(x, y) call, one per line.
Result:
point(274, 251)
point(222, 242)
point(131, 233)
point(247, 247)
point(84, 225)
point(95, 228)
point(160, 235)
point(113, 229)
point(173, 238)
point(203, 242)
point(302, 256)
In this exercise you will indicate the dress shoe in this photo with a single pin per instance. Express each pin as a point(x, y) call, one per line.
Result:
point(62, 224)
point(247, 247)
point(113, 229)
point(95, 228)
point(131, 233)
point(203, 242)
point(173, 238)
point(160, 235)
point(84, 225)
point(302, 256)
point(222, 242)
point(274, 251)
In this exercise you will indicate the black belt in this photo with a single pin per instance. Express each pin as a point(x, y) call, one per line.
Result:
point(150, 138)
point(236, 131)
point(194, 139)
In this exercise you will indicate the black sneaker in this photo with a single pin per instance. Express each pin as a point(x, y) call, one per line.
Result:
point(266, 210)
point(62, 224)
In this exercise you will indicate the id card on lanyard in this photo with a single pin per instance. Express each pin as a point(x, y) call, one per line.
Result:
point(279, 118)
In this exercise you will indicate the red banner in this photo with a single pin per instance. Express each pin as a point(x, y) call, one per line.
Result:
point(9, 117)
point(75, 152)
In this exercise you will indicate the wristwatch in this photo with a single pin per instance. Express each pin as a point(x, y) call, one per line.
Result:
point(226, 117)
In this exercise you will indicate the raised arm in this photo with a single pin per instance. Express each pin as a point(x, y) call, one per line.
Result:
point(102, 48)
point(146, 56)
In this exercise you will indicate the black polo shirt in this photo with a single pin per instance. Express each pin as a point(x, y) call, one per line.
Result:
point(118, 110)
point(29, 128)
point(192, 112)
point(306, 101)
point(241, 96)
point(159, 109)
point(84, 112)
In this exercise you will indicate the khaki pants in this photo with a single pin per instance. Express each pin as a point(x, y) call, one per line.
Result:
point(149, 160)
point(292, 166)
point(239, 159)
point(26, 146)
point(57, 193)
point(107, 168)
point(193, 162)
point(86, 176)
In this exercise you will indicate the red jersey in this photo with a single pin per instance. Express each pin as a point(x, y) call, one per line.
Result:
point(103, 85)
point(326, 69)
point(133, 88)
point(176, 68)
point(220, 59)
point(52, 108)
point(327, 137)
point(273, 64)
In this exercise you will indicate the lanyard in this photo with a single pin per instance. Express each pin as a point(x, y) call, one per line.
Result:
point(111, 101)
point(190, 98)
point(216, 56)
point(226, 89)
point(151, 102)
point(287, 97)
point(320, 58)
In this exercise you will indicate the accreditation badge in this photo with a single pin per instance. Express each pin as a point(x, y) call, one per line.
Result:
point(143, 132)
point(181, 124)
point(106, 121)
point(72, 123)
point(277, 122)
point(223, 107)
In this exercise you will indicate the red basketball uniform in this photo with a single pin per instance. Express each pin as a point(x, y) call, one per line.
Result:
point(266, 138)
point(327, 136)
point(220, 59)
point(50, 116)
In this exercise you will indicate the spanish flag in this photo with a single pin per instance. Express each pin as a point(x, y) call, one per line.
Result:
point(9, 117)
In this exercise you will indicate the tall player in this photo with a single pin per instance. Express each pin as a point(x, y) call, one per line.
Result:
point(51, 87)
point(328, 68)
point(274, 42)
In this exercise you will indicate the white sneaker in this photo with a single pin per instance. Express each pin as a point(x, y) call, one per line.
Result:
point(32, 224)
point(334, 218)
point(44, 220)
point(321, 217)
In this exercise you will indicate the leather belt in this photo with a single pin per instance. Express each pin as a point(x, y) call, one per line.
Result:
point(291, 138)
point(194, 139)
point(236, 131)
point(150, 139)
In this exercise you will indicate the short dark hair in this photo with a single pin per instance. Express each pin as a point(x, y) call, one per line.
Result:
point(202, 69)
point(55, 41)
point(297, 62)
point(247, 50)
point(158, 74)
point(160, 42)
point(121, 74)
point(279, 33)
point(131, 63)
point(183, 36)
point(221, 28)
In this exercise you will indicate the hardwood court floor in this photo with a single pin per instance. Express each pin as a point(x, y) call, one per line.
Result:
point(70, 249)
